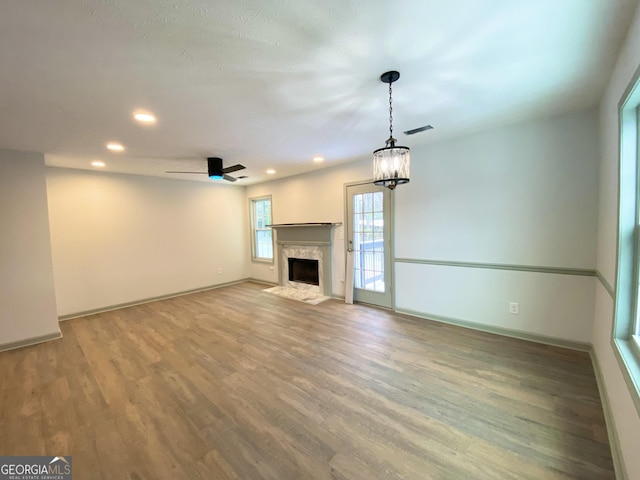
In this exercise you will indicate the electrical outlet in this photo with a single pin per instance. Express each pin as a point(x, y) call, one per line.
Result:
point(219, 270)
point(514, 308)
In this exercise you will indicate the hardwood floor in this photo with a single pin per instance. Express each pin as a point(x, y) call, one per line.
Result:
point(238, 383)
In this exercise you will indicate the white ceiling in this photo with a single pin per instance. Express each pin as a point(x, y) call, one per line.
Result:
point(272, 84)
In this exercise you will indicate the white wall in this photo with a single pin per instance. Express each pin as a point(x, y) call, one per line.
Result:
point(313, 197)
point(523, 195)
point(627, 420)
point(27, 294)
point(122, 238)
point(551, 305)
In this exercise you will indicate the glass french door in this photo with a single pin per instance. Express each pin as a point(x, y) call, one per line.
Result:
point(369, 240)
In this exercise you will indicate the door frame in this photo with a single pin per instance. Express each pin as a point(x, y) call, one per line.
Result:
point(392, 257)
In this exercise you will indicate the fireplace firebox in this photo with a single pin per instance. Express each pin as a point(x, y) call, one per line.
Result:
point(304, 270)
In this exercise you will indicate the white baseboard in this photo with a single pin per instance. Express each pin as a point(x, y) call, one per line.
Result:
point(614, 440)
point(507, 332)
point(30, 341)
point(148, 300)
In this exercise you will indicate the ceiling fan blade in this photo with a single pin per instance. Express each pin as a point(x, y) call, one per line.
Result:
point(418, 130)
point(233, 168)
point(199, 173)
point(229, 179)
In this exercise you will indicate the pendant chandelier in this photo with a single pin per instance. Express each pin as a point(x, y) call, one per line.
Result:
point(391, 163)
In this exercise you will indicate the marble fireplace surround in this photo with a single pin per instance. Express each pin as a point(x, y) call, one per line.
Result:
point(310, 241)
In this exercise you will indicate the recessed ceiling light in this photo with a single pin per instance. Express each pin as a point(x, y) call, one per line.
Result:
point(98, 163)
point(318, 159)
point(271, 171)
point(144, 117)
point(115, 147)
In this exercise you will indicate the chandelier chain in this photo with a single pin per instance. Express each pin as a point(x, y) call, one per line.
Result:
point(390, 113)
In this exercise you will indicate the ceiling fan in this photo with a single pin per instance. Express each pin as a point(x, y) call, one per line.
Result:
point(216, 172)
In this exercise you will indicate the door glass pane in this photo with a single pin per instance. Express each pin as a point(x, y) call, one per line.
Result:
point(357, 204)
point(368, 201)
point(377, 203)
point(368, 241)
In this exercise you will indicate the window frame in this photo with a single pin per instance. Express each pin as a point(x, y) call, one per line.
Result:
point(253, 201)
point(626, 318)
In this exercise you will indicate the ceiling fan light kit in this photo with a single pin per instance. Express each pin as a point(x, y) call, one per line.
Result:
point(214, 168)
point(391, 163)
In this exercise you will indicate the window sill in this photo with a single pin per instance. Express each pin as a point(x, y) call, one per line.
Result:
point(264, 261)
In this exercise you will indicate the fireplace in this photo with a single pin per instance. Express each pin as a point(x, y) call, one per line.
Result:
point(304, 270)
point(304, 252)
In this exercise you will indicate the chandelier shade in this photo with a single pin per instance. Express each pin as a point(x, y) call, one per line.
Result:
point(391, 166)
point(391, 163)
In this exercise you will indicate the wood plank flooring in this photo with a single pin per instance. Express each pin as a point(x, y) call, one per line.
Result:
point(237, 383)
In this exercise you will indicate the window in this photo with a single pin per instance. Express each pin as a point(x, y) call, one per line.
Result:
point(626, 327)
point(261, 235)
